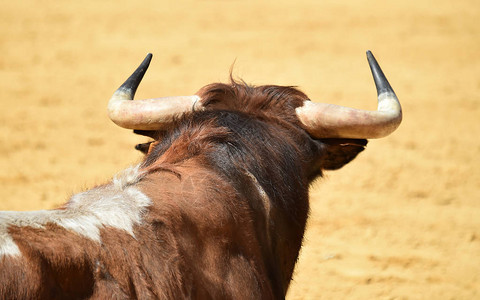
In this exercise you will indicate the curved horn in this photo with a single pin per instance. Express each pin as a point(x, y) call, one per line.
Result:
point(148, 114)
point(333, 121)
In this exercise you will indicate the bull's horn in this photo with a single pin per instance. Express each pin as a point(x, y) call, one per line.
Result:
point(148, 114)
point(333, 121)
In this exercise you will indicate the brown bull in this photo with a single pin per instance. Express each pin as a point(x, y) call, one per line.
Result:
point(216, 210)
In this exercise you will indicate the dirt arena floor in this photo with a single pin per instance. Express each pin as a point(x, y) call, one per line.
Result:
point(400, 222)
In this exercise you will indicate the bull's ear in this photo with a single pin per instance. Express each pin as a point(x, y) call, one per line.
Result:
point(144, 147)
point(339, 152)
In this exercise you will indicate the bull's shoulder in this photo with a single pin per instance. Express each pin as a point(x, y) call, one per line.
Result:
point(206, 229)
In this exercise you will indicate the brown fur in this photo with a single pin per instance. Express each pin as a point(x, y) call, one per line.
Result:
point(229, 191)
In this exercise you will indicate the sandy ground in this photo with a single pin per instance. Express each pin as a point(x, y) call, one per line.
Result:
point(400, 222)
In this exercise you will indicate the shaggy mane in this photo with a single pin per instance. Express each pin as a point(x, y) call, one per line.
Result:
point(273, 100)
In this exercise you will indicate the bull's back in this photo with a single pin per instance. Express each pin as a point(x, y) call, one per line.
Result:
point(209, 230)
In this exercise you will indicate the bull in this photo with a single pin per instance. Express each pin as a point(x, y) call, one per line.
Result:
point(216, 209)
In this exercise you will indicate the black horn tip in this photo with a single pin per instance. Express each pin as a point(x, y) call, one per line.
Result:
point(133, 81)
point(146, 61)
point(381, 81)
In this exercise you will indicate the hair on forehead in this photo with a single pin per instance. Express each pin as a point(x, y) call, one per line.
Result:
point(240, 96)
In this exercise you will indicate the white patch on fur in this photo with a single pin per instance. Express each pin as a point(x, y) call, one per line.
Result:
point(261, 192)
point(7, 245)
point(119, 204)
point(266, 203)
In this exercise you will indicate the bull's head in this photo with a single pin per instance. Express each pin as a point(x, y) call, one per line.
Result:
point(319, 119)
